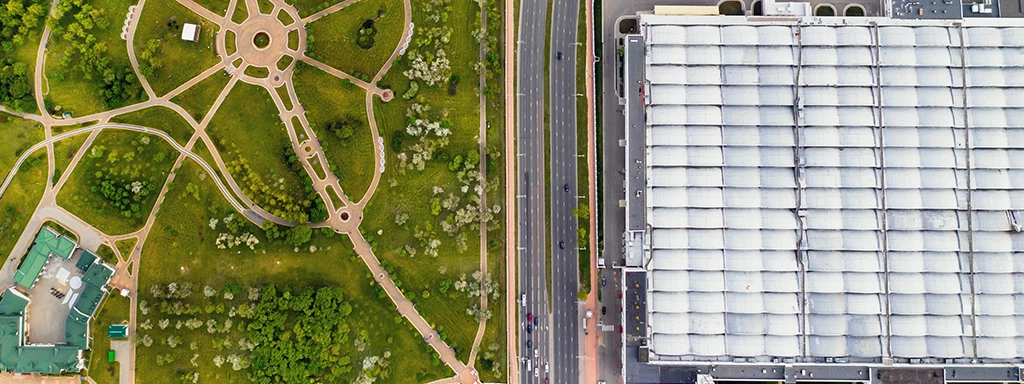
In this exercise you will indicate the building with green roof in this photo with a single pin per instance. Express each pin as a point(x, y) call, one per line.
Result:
point(47, 243)
point(117, 331)
point(18, 357)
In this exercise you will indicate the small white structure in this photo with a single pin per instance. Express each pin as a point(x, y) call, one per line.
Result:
point(773, 8)
point(190, 32)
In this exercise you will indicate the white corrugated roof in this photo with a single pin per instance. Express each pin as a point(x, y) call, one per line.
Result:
point(881, 186)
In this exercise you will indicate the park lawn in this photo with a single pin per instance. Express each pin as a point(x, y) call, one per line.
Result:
point(115, 309)
point(240, 13)
point(327, 98)
point(26, 54)
point(219, 7)
point(125, 246)
point(106, 253)
point(266, 7)
point(198, 99)
point(412, 193)
point(182, 60)
point(182, 249)
point(19, 134)
point(309, 7)
point(70, 90)
point(64, 151)
point(162, 118)
point(123, 158)
point(252, 140)
point(336, 36)
point(21, 198)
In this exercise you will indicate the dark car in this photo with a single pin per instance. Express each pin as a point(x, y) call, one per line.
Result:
point(567, 187)
point(559, 55)
point(604, 281)
point(561, 245)
point(604, 310)
point(529, 329)
point(529, 344)
point(536, 321)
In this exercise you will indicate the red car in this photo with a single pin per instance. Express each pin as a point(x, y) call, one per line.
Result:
point(529, 317)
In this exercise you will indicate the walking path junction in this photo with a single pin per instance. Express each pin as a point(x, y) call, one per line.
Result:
point(344, 215)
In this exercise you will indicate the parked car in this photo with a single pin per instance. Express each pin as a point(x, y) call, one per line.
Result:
point(604, 281)
point(604, 311)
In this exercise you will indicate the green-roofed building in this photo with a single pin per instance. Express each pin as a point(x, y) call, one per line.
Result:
point(18, 357)
point(47, 243)
point(117, 331)
point(85, 260)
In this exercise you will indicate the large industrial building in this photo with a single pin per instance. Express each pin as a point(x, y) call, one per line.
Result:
point(824, 199)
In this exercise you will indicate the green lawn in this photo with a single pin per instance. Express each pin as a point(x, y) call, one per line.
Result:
point(19, 134)
point(336, 36)
point(252, 139)
point(257, 72)
point(181, 249)
point(329, 99)
point(64, 151)
point(21, 199)
point(115, 309)
point(266, 7)
point(410, 192)
point(182, 60)
point(125, 246)
point(70, 90)
point(198, 99)
point(240, 13)
point(219, 7)
point(309, 7)
point(130, 163)
point(162, 118)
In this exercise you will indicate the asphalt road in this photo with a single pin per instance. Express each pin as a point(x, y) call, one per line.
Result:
point(613, 167)
point(566, 321)
point(531, 191)
point(555, 340)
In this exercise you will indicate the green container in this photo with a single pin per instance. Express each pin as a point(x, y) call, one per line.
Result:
point(110, 356)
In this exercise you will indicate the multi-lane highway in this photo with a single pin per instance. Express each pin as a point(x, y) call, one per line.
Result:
point(566, 321)
point(552, 344)
point(533, 344)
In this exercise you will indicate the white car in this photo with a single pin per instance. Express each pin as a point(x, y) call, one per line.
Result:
point(545, 367)
point(536, 372)
point(535, 352)
point(523, 300)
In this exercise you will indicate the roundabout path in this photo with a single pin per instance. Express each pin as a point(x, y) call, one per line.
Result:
point(342, 219)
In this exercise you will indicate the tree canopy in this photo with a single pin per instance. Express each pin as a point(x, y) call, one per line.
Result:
point(299, 337)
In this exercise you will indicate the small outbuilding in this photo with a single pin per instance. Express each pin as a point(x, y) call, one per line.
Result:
point(190, 32)
point(117, 331)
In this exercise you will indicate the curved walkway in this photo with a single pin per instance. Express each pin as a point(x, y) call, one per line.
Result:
point(343, 219)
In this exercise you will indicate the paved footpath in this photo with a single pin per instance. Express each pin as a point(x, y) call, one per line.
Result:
point(343, 219)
